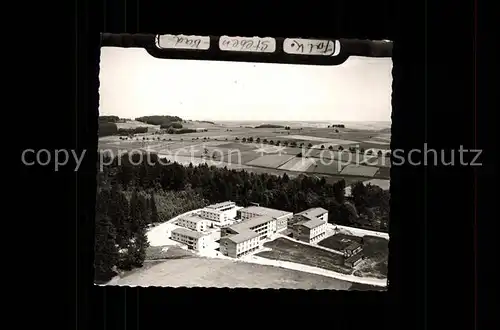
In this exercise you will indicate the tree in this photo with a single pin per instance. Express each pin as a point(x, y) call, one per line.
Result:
point(244, 140)
point(379, 153)
point(322, 146)
point(236, 139)
point(139, 247)
point(310, 145)
point(340, 148)
point(250, 139)
point(257, 140)
point(154, 210)
point(330, 147)
point(106, 251)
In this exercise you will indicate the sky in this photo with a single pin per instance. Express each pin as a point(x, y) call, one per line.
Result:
point(135, 84)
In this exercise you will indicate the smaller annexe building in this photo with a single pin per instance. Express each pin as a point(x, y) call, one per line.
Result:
point(310, 225)
point(195, 223)
point(281, 217)
point(193, 239)
point(220, 212)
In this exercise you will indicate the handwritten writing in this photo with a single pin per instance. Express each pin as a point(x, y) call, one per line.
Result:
point(170, 41)
point(245, 44)
point(311, 47)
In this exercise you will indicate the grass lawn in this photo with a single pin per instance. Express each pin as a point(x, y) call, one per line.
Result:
point(286, 250)
point(204, 272)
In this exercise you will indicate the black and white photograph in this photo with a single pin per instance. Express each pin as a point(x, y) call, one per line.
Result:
point(233, 174)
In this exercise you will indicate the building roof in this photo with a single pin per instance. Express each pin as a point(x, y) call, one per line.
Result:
point(221, 205)
point(313, 212)
point(243, 236)
point(252, 222)
point(187, 232)
point(265, 211)
point(193, 218)
point(353, 246)
point(354, 258)
point(313, 223)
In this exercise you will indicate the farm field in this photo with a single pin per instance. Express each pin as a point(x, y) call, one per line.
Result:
point(287, 250)
point(376, 252)
point(377, 161)
point(298, 164)
point(360, 170)
point(201, 272)
point(272, 161)
point(328, 166)
point(225, 148)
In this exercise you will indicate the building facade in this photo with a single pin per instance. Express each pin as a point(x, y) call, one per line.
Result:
point(195, 223)
point(220, 212)
point(309, 226)
point(309, 231)
point(247, 236)
point(281, 217)
point(353, 260)
point(352, 249)
point(193, 239)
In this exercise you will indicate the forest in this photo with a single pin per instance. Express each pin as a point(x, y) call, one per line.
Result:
point(132, 197)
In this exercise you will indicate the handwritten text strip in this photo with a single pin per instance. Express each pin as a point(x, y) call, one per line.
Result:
point(246, 44)
point(311, 47)
point(170, 41)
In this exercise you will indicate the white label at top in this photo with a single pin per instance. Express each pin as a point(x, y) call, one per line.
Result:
point(247, 44)
point(170, 41)
point(311, 47)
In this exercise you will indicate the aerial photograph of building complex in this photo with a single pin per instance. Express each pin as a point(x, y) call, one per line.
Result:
point(254, 175)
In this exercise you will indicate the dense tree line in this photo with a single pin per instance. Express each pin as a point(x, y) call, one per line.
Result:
point(175, 125)
point(109, 119)
point(132, 131)
point(130, 197)
point(269, 126)
point(159, 120)
point(106, 129)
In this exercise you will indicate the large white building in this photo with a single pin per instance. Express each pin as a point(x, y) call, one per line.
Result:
point(281, 217)
point(193, 239)
point(220, 212)
point(193, 222)
point(310, 225)
point(246, 237)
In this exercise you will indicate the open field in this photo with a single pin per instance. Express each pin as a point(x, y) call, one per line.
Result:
point(298, 164)
point(377, 161)
point(287, 250)
point(376, 252)
point(328, 166)
point(237, 146)
point(225, 148)
point(201, 272)
point(272, 161)
point(360, 170)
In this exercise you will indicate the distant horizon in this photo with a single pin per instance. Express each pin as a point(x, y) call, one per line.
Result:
point(134, 84)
